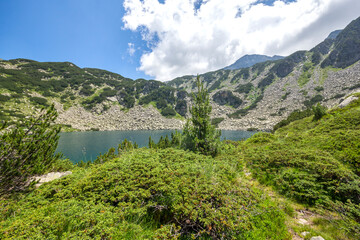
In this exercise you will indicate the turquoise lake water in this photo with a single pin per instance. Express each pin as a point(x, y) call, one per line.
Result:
point(87, 146)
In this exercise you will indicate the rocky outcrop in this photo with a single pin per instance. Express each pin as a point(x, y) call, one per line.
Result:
point(347, 101)
point(115, 118)
point(49, 177)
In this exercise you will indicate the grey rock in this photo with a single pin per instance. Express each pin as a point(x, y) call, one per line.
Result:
point(304, 234)
point(317, 238)
point(347, 101)
point(50, 177)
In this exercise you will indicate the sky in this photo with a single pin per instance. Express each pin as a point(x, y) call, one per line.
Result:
point(165, 39)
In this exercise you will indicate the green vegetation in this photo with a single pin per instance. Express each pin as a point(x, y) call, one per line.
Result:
point(199, 134)
point(27, 148)
point(305, 77)
point(283, 97)
point(168, 112)
point(319, 111)
point(216, 121)
point(319, 89)
point(39, 101)
point(269, 79)
point(70, 85)
point(295, 115)
point(316, 99)
point(225, 97)
point(244, 111)
point(147, 194)
point(244, 73)
point(244, 88)
point(316, 163)
point(224, 74)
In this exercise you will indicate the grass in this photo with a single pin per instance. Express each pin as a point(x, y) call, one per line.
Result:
point(305, 77)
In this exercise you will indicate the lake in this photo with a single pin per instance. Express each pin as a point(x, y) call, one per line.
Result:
point(87, 146)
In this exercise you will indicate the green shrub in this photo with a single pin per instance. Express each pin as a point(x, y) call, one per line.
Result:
point(244, 88)
point(168, 112)
point(26, 150)
point(216, 121)
point(283, 97)
point(319, 89)
point(4, 98)
point(267, 80)
point(295, 115)
point(39, 101)
point(309, 103)
point(226, 97)
point(319, 111)
point(86, 90)
point(146, 194)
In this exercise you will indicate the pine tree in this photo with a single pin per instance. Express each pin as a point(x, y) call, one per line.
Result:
point(200, 135)
point(27, 149)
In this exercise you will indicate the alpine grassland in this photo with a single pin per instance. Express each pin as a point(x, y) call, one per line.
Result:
point(255, 189)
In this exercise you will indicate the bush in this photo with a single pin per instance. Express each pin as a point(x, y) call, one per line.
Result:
point(27, 149)
point(225, 97)
point(4, 98)
point(39, 101)
point(313, 101)
point(168, 112)
point(147, 194)
point(244, 88)
point(266, 81)
point(319, 111)
point(216, 121)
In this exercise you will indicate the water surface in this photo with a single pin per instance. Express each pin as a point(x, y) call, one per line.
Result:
point(87, 146)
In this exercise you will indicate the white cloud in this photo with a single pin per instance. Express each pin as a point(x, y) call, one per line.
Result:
point(185, 40)
point(131, 49)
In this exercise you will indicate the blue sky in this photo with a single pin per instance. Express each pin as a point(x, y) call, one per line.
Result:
point(167, 38)
point(86, 32)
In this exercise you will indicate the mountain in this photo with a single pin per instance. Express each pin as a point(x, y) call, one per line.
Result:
point(251, 60)
point(334, 34)
point(87, 98)
point(255, 97)
point(270, 91)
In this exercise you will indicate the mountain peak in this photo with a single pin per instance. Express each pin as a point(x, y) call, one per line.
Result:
point(334, 34)
point(250, 60)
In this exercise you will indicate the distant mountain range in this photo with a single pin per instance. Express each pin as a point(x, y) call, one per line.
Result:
point(253, 97)
point(250, 60)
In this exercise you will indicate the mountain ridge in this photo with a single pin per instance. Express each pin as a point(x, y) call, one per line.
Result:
point(256, 97)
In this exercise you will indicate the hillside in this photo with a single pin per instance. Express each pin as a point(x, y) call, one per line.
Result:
point(87, 98)
point(300, 182)
point(262, 95)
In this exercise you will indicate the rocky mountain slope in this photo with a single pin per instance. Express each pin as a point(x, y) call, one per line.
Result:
point(256, 97)
point(262, 95)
